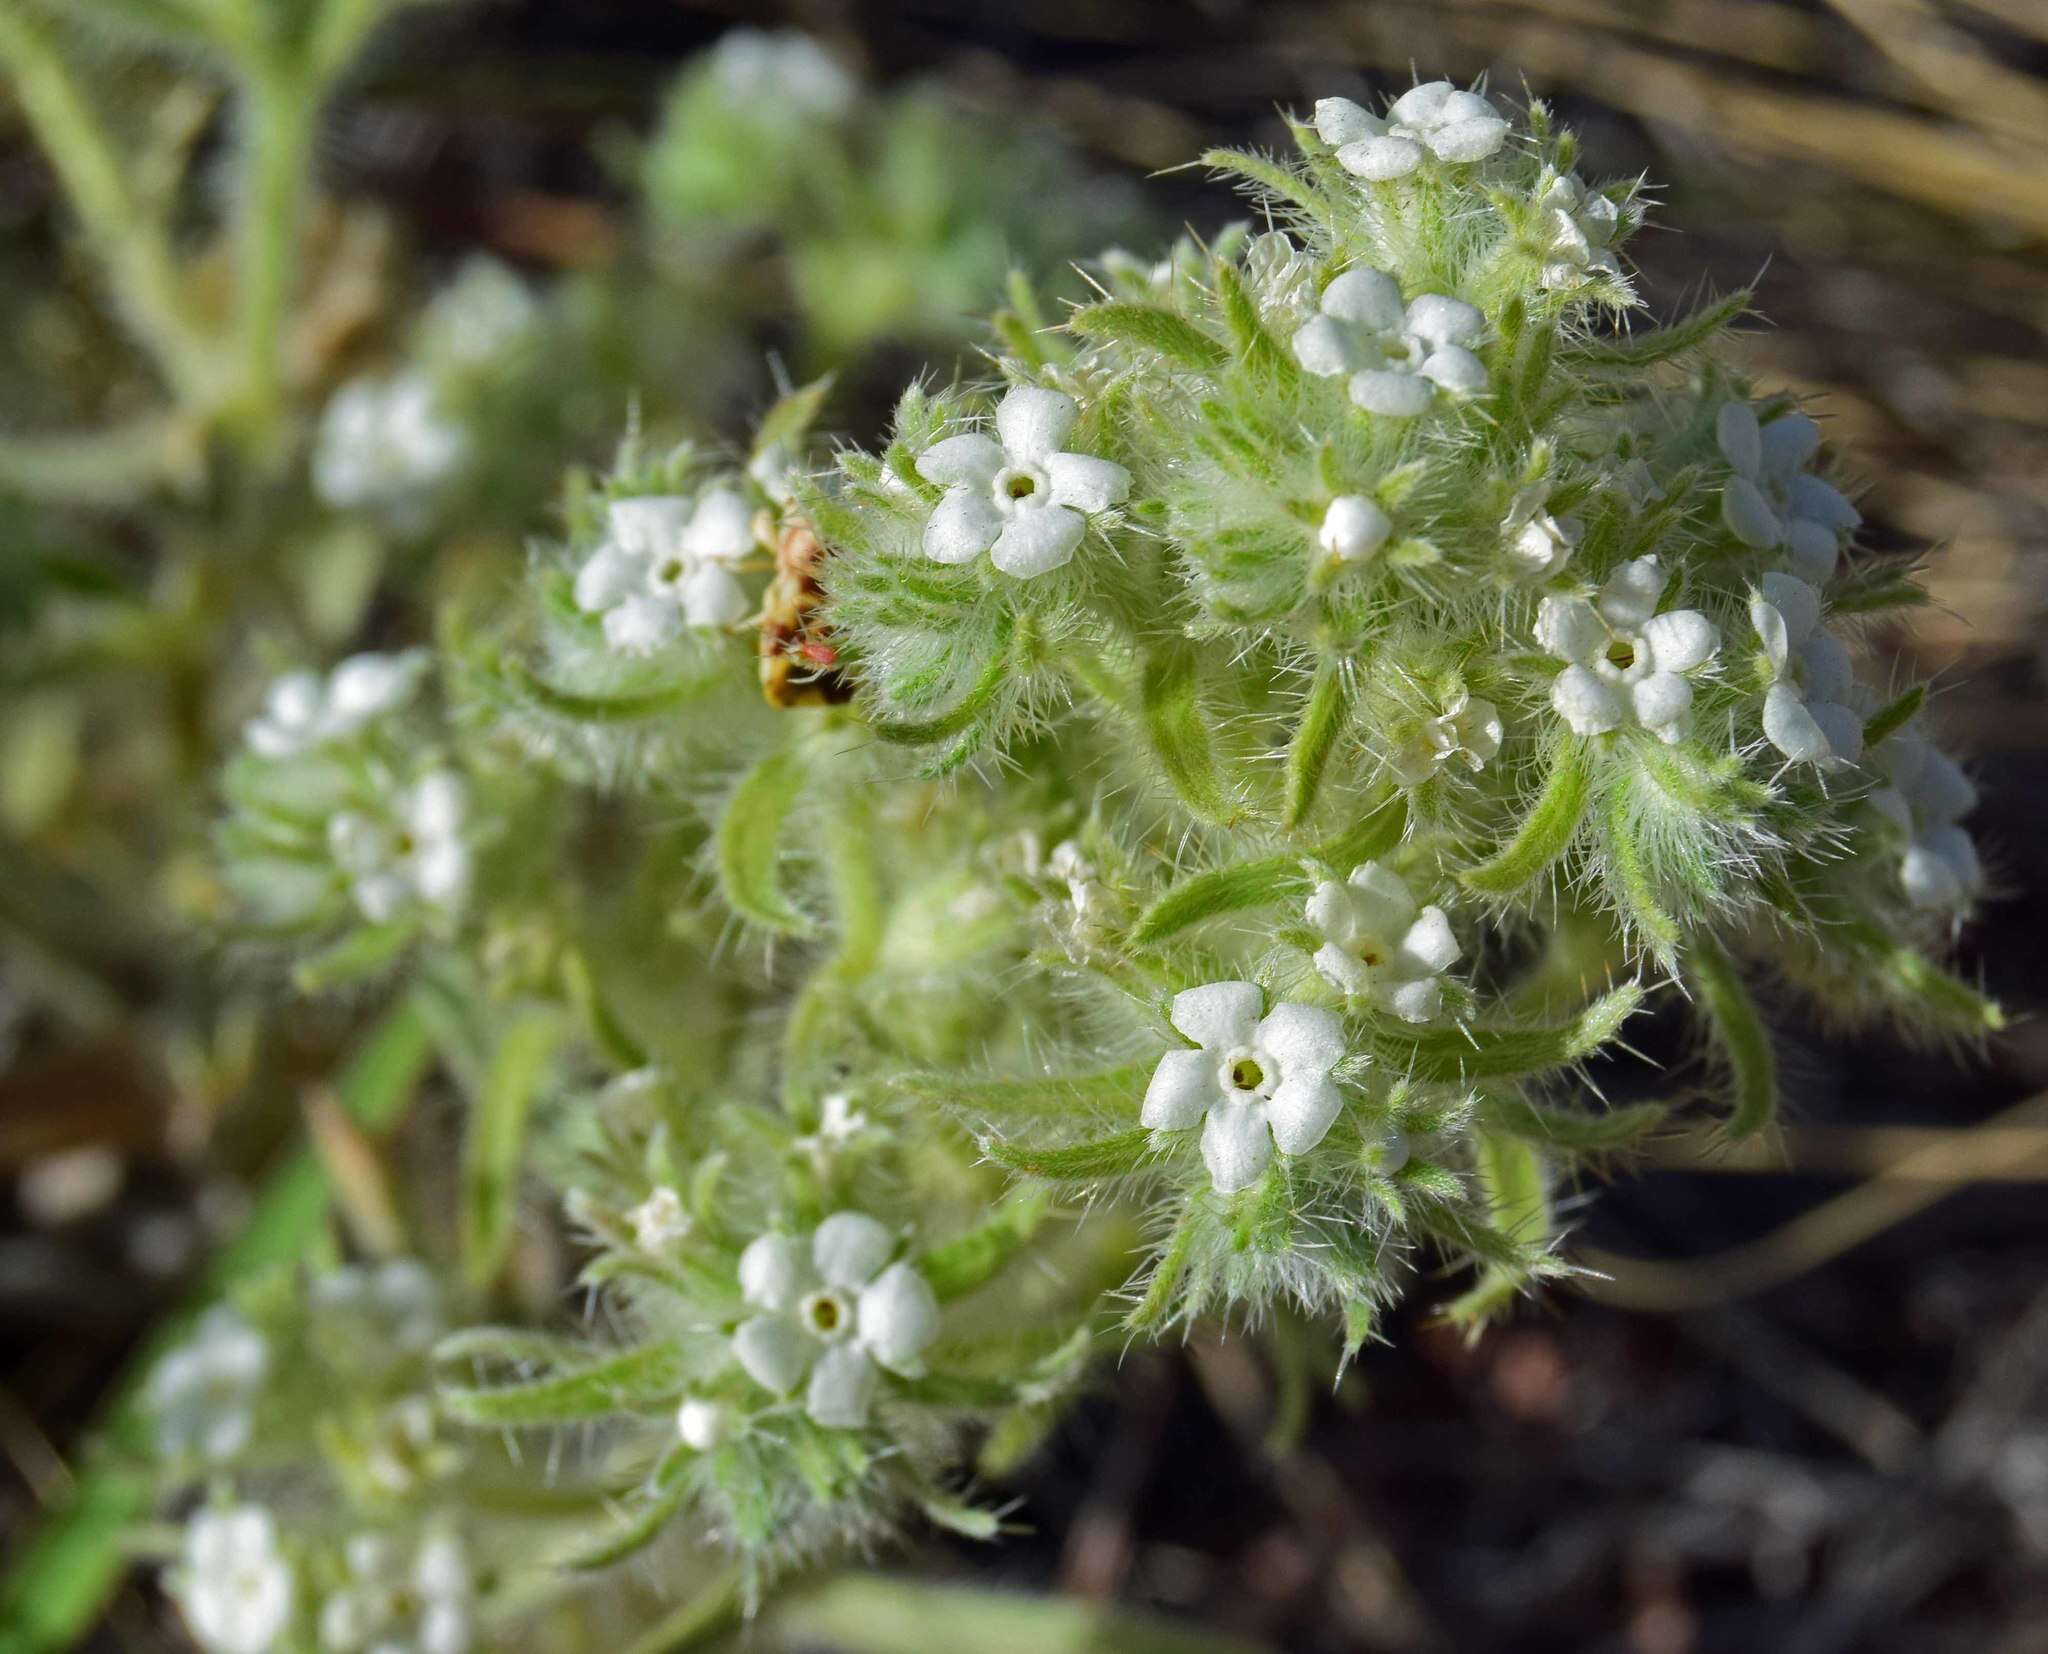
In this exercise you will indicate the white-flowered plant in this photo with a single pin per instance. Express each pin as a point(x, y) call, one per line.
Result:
point(1397, 357)
point(1772, 501)
point(666, 565)
point(1380, 945)
point(1467, 732)
point(1808, 712)
point(400, 1599)
point(1924, 800)
point(1434, 119)
point(1628, 663)
point(303, 710)
point(387, 445)
point(234, 1585)
point(413, 853)
point(1540, 542)
point(202, 1396)
point(1575, 230)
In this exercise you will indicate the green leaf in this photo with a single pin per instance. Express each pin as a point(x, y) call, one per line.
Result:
point(961, 1265)
point(645, 1376)
point(1661, 344)
point(1258, 349)
point(1951, 1003)
point(1268, 177)
point(1452, 1054)
point(493, 1140)
point(1375, 832)
point(790, 420)
point(668, 1490)
point(1546, 832)
point(1222, 890)
point(1105, 1157)
point(1575, 1129)
point(1894, 715)
point(1308, 754)
point(749, 845)
point(959, 1517)
point(1517, 1195)
point(626, 707)
point(1739, 1033)
point(1171, 704)
point(1150, 327)
point(980, 695)
point(606, 1031)
point(365, 952)
point(996, 1099)
point(1641, 904)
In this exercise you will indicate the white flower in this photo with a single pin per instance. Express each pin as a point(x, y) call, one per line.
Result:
point(839, 1123)
point(415, 857)
point(1397, 358)
point(1255, 1082)
point(1807, 715)
point(1772, 502)
point(1380, 944)
point(302, 710)
point(485, 314)
point(832, 1311)
point(234, 1586)
point(659, 1221)
point(1928, 797)
point(703, 1424)
point(1282, 275)
point(664, 566)
point(202, 1396)
point(400, 1604)
point(1468, 729)
point(379, 1313)
point(1437, 117)
point(1575, 227)
point(1536, 539)
point(385, 443)
point(1085, 891)
point(784, 74)
point(1628, 663)
point(1353, 529)
point(1019, 499)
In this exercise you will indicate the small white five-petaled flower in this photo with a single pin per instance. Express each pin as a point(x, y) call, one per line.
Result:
point(386, 444)
point(1435, 118)
point(234, 1586)
point(1380, 944)
point(703, 1424)
point(303, 710)
point(1015, 495)
point(399, 1604)
point(1254, 1084)
point(202, 1396)
point(1627, 663)
point(665, 565)
point(1398, 357)
point(659, 1221)
point(1807, 715)
point(416, 857)
point(832, 1311)
point(1468, 729)
point(1575, 227)
point(1539, 541)
point(1773, 502)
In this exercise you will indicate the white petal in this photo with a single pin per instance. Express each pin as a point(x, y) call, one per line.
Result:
point(1422, 105)
point(1663, 704)
point(1680, 640)
point(1367, 298)
point(1039, 541)
point(1182, 1089)
point(1735, 429)
point(1334, 913)
point(1237, 1146)
point(1569, 629)
point(1430, 943)
point(1786, 444)
point(1304, 1040)
point(1469, 140)
point(1418, 999)
point(648, 526)
point(440, 873)
point(608, 576)
point(899, 1316)
point(774, 1271)
point(1380, 160)
point(1465, 106)
point(702, 1424)
point(1928, 880)
point(1796, 601)
point(1390, 394)
point(1749, 515)
point(1891, 804)
point(1444, 321)
point(967, 458)
point(1843, 727)
point(364, 686)
point(1033, 421)
point(1791, 728)
point(721, 528)
point(1771, 631)
point(774, 1352)
point(1632, 592)
point(1353, 528)
point(1815, 549)
point(1457, 370)
point(712, 597)
point(1586, 704)
point(1940, 790)
point(1300, 1112)
point(1958, 851)
point(1820, 502)
point(1323, 346)
point(1825, 670)
point(642, 624)
point(850, 1248)
point(1342, 969)
point(963, 525)
point(1381, 900)
point(437, 806)
point(1218, 1015)
point(1339, 121)
point(842, 1388)
point(1087, 483)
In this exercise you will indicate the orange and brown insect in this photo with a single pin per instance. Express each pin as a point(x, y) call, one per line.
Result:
point(799, 661)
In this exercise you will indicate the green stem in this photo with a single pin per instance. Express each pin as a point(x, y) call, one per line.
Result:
point(280, 112)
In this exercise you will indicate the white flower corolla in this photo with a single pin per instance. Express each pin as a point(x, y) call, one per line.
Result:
point(1398, 357)
point(385, 443)
point(1807, 715)
point(833, 1313)
point(1380, 944)
point(781, 73)
point(1538, 541)
point(416, 856)
point(401, 1452)
point(1627, 663)
point(1926, 800)
point(485, 314)
point(202, 1396)
point(839, 1123)
point(302, 710)
point(395, 1603)
point(379, 1313)
point(235, 1587)
point(665, 565)
point(1468, 730)
point(1435, 118)
point(1354, 527)
point(1255, 1083)
point(659, 1221)
point(703, 1424)
point(1281, 275)
point(1015, 495)
point(1773, 502)
point(1575, 229)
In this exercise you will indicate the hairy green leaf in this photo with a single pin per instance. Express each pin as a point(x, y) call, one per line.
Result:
point(647, 1375)
point(494, 1137)
point(1546, 831)
point(1179, 733)
point(1150, 327)
point(1739, 1034)
point(749, 845)
point(1308, 754)
point(1455, 1054)
point(1222, 890)
point(1105, 1157)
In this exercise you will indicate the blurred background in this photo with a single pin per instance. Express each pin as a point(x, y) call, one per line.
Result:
point(1807, 1408)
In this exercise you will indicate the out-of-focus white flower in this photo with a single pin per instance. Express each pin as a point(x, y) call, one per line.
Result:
point(235, 1587)
point(1019, 499)
point(484, 315)
point(1807, 715)
point(1925, 803)
point(1773, 502)
point(1537, 540)
point(1380, 944)
point(781, 73)
point(659, 1222)
point(1398, 357)
point(665, 564)
point(1256, 1082)
point(302, 710)
point(703, 1424)
point(378, 1313)
point(1353, 529)
point(834, 1313)
point(400, 1603)
point(1575, 228)
point(202, 1396)
point(415, 857)
point(386, 444)
point(1435, 118)
point(1468, 730)
point(1628, 664)
point(839, 1123)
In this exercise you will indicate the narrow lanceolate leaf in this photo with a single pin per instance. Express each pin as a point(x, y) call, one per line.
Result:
point(495, 1136)
point(1238, 889)
point(667, 1491)
point(624, 707)
point(1372, 835)
point(1950, 1004)
point(366, 951)
point(1661, 344)
point(1454, 1054)
point(1150, 327)
point(1642, 905)
point(987, 1099)
point(981, 694)
point(1256, 347)
point(645, 1376)
point(1105, 1157)
point(750, 845)
point(1179, 733)
point(1267, 177)
point(1739, 1034)
point(1894, 715)
point(1517, 1196)
point(961, 1265)
point(1546, 832)
point(1571, 1128)
point(1308, 754)
point(790, 420)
